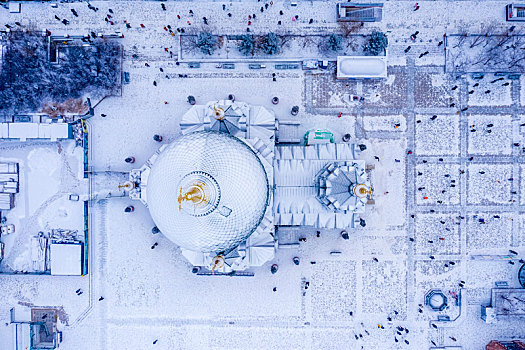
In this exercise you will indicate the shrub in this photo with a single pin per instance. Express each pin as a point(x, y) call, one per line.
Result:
point(207, 43)
point(271, 44)
point(335, 42)
point(376, 44)
point(247, 45)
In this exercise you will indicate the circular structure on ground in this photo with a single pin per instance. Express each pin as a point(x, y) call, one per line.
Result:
point(436, 300)
point(521, 275)
point(207, 191)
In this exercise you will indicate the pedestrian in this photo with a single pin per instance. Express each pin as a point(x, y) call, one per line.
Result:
point(110, 10)
point(101, 298)
point(223, 7)
point(205, 20)
point(154, 245)
point(142, 25)
point(311, 21)
point(416, 6)
point(408, 49)
point(129, 209)
point(154, 83)
point(157, 138)
point(74, 12)
point(178, 16)
point(440, 43)
point(57, 18)
point(377, 158)
point(274, 289)
point(191, 13)
point(130, 160)
point(155, 341)
point(146, 64)
point(340, 114)
point(163, 6)
point(103, 115)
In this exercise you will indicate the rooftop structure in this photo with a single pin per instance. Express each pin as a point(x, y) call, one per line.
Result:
point(505, 345)
point(359, 12)
point(436, 300)
point(505, 303)
point(210, 191)
point(207, 191)
point(361, 67)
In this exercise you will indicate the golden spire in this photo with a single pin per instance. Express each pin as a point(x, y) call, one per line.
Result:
point(218, 262)
point(219, 112)
point(362, 191)
point(196, 194)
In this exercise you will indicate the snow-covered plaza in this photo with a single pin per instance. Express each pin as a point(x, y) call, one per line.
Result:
point(445, 157)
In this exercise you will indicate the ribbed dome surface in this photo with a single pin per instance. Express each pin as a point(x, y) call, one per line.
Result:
point(207, 191)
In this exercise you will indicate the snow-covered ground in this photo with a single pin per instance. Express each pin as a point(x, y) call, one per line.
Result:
point(48, 172)
point(151, 298)
point(490, 134)
point(437, 136)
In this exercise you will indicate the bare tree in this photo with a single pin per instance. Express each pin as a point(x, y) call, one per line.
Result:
point(349, 28)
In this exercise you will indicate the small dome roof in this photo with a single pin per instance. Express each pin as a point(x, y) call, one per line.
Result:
point(207, 191)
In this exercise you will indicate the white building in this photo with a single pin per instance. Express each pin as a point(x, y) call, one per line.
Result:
point(219, 190)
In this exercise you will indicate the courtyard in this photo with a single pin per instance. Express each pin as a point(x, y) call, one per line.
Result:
point(448, 184)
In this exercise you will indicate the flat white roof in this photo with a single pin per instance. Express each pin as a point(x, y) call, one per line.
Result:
point(361, 67)
point(24, 131)
point(66, 259)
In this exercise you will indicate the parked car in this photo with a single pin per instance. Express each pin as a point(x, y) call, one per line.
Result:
point(7, 229)
point(74, 197)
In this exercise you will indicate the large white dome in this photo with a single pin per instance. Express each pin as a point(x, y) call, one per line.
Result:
point(207, 191)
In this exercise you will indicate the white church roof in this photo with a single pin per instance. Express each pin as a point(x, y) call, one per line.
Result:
point(227, 186)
